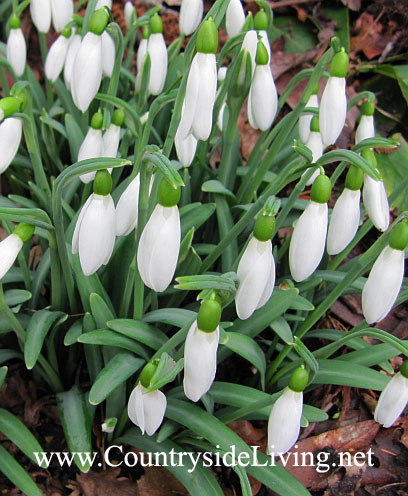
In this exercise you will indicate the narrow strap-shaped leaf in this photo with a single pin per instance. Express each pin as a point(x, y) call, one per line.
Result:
point(111, 338)
point(18, 476)
point(140, 331)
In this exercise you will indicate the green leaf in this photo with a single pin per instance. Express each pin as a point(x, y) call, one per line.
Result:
point(166, 168)
point(185, 246)
point(303, 151)
point(301, 303)
point(3, 374)
point(16, 297)
point(342, 28)
point(18, 433)
point(75, 136)
point(76, 424)
point(348, 156)
point(117, 371)
point(100, 310)
point(298, 35)
point(111, 338)
point(179, 317)
point(248, 349)
point(307, 356)
point(215, 186)
point(194, 215)
point(140, 331)
point(282, 329)
point(54, 125)
point(18, 476)
point(38, 327)
point(73, 333)
point(9, 355)
point(198, 283)
point(398, 72)
point(166, 372)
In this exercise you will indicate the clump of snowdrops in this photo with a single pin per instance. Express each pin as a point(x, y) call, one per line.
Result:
point(160, 263)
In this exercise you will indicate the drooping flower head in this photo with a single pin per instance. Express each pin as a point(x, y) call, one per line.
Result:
point(92, 146)
point(130, 13)
point(57, 54)
point(61, 11)
point(156, 48)
point(40, 11)
point(16, 46)
point(234, 18)
point(191, 13)
point(11, 246)
point(11, 129)
point(365, 128)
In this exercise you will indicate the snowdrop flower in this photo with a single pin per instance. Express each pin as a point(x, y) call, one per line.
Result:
point(393, 399)
point(159, 243)
point(256, 269)
point(333, 107)
point(201, 85)
point(191, 13)
point(315, 145)
point(309, 235)
point(365, 128)
point(305, 119)
point(156, 48)
point(11, 246)
point(16, 46)
point(234, 18)
point(111, 136)
point(61, 11)
point(141, 58)
point(129, 11)
point(284, 419)
point(10, 137)
point(40, 11)
point(384, 282)
point(200, 350)
point(57, 54)
point(103, 3)
point(73, 47)
point(87, 70)
point(375, 197)
point(94, 235)
point(108, 50)
point(185, 147)
point(345, 217)
point(263, 97)
point(261, 23)
point(92, 146)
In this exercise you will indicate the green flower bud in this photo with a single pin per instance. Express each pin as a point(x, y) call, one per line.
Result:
point(298, 380)
point(354, 178)
point(399, 236)
point(368, 108)
point(321, 189)
point(264, 227)
point(148, 372)
point(261, 20)
point(369, 155)
point(262, 57)
point(168, 196)
point(404, 369)
point(102, 183)
point(67, 31)
point(145, 32)
point(97, 120)
point(14, 21)
point(118, 117)
point(209, 315)
point(314, 124)
point(24, 231)
point(156, 24)
point(99, 20)
point(8, 106)
point(207, 37)
point(339, 65)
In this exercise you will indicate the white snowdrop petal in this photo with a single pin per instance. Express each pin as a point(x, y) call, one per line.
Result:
point(9, 249)
point(154, 404)
point(40, 11)
point(191, 97)
point(203, 115)
point(54, 62)
point(91, 147)
point(108, 50)
point(344, 221)
point(365, 128)
point(392, 401)
point(111, 138)
point(75, 247)
point(376, 202)
point(185, 148)
point(284, 421)
point(16, 51)
point(264, 97)
point(333, 110)
point(11, 130)
point(200, 361)
point(305, 119)
point(383, 284)
point(250, 44)
point(61, 11)
point(308, 241)
point(103, 3)
point(136, 409)
point(140, 60)
point(127, 208)
point(234, 18)
point(268, 290)
point(128, 11)
point(191, 13)
point(315, 145)
point(73, 47)
point(156, 48)
point(87, 71)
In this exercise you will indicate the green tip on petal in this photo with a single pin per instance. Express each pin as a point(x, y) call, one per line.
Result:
point(207, 37)
point(314, 124)
point(399, 236)
point(97, 120)
point(168, 196)
point(102, 183)
point(209, 315)
point(156, 24)
point(118, 117)
point(339, 65)
point(368, 108)
point(404, 369)
point(261, 20)
point(14, 21)
point(99, 20)
point(145, 32)
point(298, 380)
point(148, 372)
point(354, 178)
point(67, 31)
point(262, 57)
point(24, 231)
point(264, 227)
point(369, 155)
point(9, 105)
point(321, 189)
